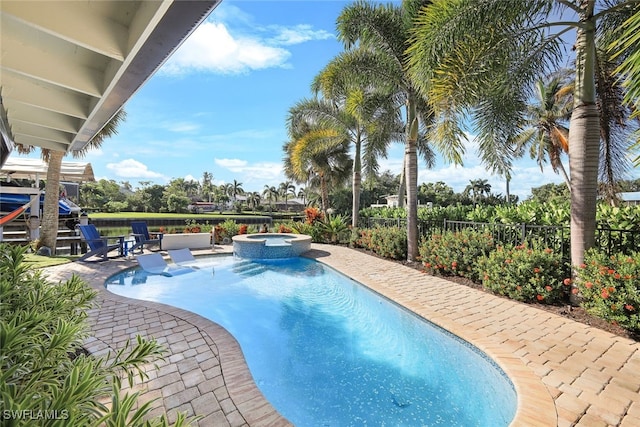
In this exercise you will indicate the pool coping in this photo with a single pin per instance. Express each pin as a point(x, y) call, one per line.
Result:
point(565, 373)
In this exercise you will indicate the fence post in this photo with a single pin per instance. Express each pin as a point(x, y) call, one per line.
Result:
point(523, 229)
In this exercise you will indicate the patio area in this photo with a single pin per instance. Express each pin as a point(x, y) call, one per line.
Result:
point(566, 373)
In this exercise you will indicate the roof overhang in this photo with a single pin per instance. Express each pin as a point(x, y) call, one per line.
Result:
point(34, 169)
point(68, 66)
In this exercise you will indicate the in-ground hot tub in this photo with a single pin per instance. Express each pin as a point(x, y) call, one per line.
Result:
point(270, 245)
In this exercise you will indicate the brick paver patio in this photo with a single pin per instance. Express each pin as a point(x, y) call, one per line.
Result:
point(565, 373)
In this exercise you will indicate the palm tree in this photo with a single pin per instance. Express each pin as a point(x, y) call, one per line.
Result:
point(50, 210)
point(236, 189)
point(310, 159)
point(376, 38)
point(302, 194)
point(449, 62)
point(366, 116)
point(286, 189)
point(629, 69)
point(253, 199)
point(478, 188)
point(270, 193)
point(544, 130)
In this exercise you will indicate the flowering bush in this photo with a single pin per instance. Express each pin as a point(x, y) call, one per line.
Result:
point(455, 253)
point(388, 242)
point(610, 287)
point(525, 274)
point(312, 215)
point(243, 229)
point(284, 229)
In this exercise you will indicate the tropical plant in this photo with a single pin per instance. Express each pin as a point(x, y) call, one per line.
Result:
point(43, 368)
point(376, 38)
point(253, 199)
point(545, 123)
point(287, 189)
point(456, 252)
point(270, 193)
point(628, 47)
point(477, 188)
point(335, 228)
point(366, 116)
point(310, 159)
point(486, 60)
point(524, 273)
point(609, 287)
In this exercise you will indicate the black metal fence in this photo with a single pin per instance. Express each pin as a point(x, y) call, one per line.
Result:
point(608, 240)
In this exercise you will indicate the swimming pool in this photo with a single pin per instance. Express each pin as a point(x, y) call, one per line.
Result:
point(324, 350)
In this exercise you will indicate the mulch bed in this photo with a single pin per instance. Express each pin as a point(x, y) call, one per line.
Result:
point(574, 313)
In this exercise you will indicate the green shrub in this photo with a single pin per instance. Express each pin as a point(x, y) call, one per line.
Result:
point(455, 253)
point(227, 229)
point(335, 228)
point(312, 230)
point(43, 369)
point(524, 274)
point(388, 242)
point(610, 287)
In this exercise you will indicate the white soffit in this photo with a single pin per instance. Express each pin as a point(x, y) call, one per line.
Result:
point(66, 67)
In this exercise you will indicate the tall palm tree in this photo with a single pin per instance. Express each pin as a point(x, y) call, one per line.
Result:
point(302, 194)
point(486, 60)
point(477, 188)
point(270, 193)
point(50, 211)
point(253, 199)
point(367, 115)
point(310, 159)
point(286, 189)
point(628, 47)
point(236, 189)
point(545, 127)
point(376, 38)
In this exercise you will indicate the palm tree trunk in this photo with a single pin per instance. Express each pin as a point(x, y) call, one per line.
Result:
point(357, 181)
point(324, 193)
point(412, 181)
point(49, 224)
point(584, 141)
point(402, 188)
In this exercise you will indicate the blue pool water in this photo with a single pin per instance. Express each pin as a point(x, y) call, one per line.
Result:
point(326, 351)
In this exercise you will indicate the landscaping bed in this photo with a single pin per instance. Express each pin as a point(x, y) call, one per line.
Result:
point(577, 314)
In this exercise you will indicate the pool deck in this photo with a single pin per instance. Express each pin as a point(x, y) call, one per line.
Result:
point(565, 373)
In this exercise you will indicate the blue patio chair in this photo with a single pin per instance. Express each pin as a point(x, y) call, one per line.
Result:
point(99, 246)
point(142, 236)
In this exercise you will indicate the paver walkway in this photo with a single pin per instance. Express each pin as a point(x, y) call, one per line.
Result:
point(565, 373)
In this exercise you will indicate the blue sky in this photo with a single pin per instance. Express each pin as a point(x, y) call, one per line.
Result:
point(220, 103)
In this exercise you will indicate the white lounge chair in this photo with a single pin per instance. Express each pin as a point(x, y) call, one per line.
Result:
point(182, 257)
point(154, 263)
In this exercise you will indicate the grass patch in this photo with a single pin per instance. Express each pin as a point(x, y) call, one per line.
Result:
point(37, 261)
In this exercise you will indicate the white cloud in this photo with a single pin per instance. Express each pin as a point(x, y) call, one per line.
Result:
point(182, 126)
point(298, 34)
point(234, 165)
point(131, 168)
point(211, 48)
point(253, 176)
point(232, 43)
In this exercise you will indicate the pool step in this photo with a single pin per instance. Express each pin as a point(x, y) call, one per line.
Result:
point(247, 268)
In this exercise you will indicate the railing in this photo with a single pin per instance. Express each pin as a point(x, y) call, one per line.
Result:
point(558, 238)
